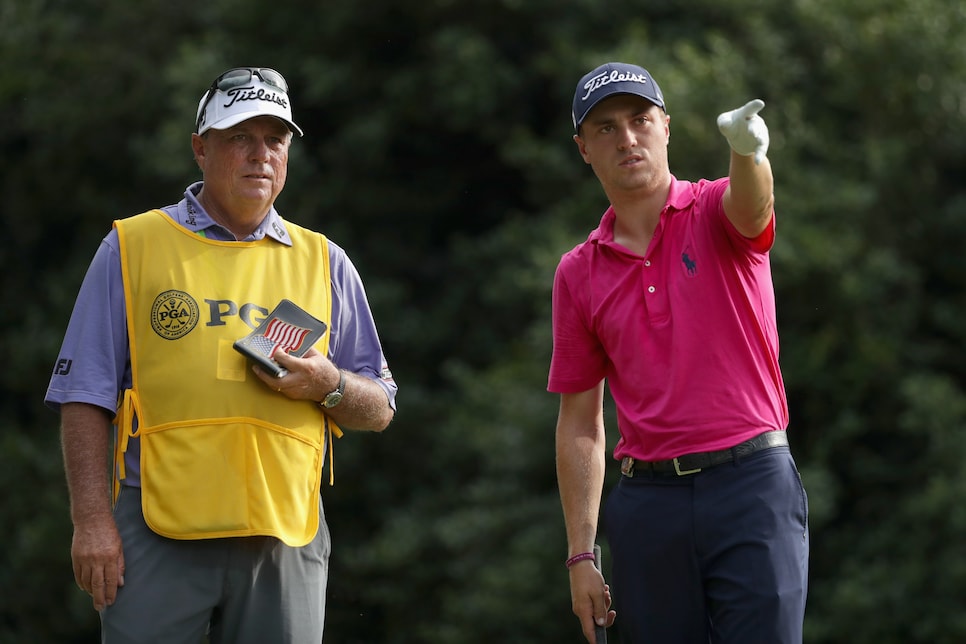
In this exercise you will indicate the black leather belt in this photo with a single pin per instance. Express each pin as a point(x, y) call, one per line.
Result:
point(694, 463)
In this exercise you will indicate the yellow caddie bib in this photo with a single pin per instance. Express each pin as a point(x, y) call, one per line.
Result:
point(222, 455)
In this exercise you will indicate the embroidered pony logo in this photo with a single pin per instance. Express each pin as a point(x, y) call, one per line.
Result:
point(689, 264)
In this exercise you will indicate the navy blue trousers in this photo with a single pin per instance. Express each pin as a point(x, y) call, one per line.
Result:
point(720, 556)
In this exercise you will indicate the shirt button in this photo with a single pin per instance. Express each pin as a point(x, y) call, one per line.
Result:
point(651, 289)
point(647, 262)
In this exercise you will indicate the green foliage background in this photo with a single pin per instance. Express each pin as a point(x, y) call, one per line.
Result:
point(438, 153)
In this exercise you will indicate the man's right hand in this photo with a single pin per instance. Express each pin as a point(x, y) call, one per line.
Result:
point(98, 559)
point(591, 598)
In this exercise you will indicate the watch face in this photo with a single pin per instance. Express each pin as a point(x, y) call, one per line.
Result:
point(333, 398)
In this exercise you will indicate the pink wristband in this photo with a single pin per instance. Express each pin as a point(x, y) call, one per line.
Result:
point(583, 556)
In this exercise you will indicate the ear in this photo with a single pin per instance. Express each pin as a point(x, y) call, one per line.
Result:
point(582, 148)
point(198, 148)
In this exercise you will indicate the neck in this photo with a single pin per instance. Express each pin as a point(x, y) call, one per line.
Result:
point(239, 224)
point(637, 215)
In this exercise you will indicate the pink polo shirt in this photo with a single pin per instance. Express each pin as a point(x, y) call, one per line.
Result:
point(685, 336)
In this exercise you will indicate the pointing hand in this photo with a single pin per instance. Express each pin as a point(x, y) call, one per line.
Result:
point(745, 130)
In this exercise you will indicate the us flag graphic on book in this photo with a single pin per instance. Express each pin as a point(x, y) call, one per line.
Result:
point(280, 335)
point(287, 328)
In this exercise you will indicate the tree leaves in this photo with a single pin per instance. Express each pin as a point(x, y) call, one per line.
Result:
point(438, 152)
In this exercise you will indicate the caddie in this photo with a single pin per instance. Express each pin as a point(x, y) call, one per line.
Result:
point(210, 520)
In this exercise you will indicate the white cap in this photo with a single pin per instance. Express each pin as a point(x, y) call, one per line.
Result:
point(254, 98)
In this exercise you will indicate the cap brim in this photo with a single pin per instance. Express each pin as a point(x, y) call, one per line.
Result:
point(597, 102)
point(235, 119)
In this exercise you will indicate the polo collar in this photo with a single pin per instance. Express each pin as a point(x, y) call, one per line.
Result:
point(192, 215)
point(680, 197)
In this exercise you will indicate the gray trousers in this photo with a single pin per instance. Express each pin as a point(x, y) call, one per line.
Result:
point(240, 590)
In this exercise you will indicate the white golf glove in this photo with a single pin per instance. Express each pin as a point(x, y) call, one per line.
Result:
point(745, 130)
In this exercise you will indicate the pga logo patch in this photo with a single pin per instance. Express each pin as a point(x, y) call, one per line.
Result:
point(174, 314)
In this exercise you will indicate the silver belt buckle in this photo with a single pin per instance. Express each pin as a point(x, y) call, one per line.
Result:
point(627, 466)
point(680, 472)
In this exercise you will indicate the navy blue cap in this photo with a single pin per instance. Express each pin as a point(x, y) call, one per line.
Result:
point(610, 79)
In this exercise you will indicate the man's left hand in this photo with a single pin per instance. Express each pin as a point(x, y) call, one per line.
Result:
point(745, 130)
point(306, 377)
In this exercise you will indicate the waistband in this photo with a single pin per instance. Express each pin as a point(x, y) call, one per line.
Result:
point(694, 463)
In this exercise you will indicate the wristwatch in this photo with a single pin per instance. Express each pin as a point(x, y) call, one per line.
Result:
point(333, 398)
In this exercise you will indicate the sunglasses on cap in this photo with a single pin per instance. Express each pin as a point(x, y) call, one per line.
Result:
point(236, 78)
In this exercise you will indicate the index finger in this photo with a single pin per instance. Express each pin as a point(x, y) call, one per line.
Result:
point(589, 627)
point(113, 579)
point(99, 589)
point(596, 606)
point(750, 108)
point(283, 358)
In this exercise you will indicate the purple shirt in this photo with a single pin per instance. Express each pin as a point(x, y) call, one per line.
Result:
point(94, 364)
point(685, 335)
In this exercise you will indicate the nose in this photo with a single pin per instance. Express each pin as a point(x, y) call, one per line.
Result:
point(259, 150)
point(627, 139)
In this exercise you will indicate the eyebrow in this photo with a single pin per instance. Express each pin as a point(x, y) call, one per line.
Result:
point(599, 121)
point(607, 120)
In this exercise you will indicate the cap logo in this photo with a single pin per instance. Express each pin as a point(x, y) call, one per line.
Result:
point(613, 76)
point(239, 94)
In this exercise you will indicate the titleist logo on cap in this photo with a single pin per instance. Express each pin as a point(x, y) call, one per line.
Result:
point(606, 78)
point(239, 94)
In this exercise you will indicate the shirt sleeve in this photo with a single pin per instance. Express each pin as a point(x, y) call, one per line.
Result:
point(93, 365)
point(578, 361)
point(712, 202)
point(354, 342)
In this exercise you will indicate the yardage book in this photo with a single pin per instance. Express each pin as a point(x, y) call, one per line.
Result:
point(287, 328)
